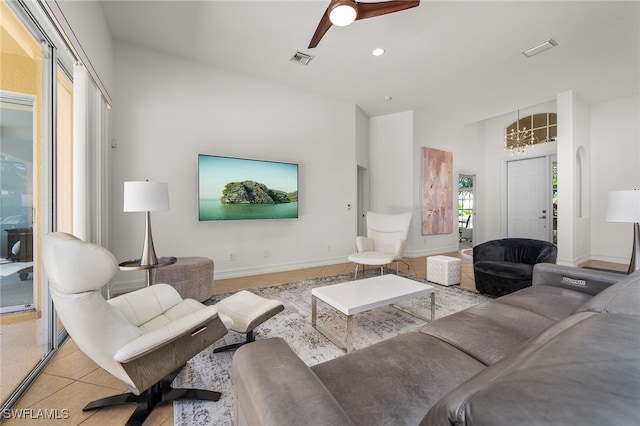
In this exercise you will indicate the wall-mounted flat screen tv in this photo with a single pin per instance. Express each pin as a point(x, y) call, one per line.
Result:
point(239, 188)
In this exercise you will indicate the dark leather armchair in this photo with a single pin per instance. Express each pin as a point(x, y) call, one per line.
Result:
point(503, 266)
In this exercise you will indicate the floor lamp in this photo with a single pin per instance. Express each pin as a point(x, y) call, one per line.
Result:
point(145, 196)
point(624, 206)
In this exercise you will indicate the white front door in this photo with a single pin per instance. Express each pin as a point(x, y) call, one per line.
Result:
point(528, 199)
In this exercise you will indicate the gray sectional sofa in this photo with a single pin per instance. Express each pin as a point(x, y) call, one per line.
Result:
point(565, 351)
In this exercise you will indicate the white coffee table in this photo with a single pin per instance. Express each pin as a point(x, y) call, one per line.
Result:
point(353, 297)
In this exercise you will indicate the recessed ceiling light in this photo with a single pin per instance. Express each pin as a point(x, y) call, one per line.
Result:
point(539, 48)
point(387, 98)
point(378, 51)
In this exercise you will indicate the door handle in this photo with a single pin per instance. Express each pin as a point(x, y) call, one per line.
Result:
point(542, 217)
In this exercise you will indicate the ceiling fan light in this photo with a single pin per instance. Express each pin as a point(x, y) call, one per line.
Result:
point(343, 13)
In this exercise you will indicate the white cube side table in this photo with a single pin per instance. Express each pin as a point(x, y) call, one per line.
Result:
point(444, 270)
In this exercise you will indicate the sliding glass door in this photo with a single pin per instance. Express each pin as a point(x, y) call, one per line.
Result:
point(17, 124)
point(23, 106)
point(36, 107)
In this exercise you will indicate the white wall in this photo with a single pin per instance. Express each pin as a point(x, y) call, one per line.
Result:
point(615, 141)
point(362, 171)
point(478, 149)
point(362, 138)
point(433, 130)
point(610, 137)
point(169, 110)
point(391, 163)
point(582, 188)
point(574, 145)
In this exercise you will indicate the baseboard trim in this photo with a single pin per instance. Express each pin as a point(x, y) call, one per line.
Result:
point(282, 267)
point(119, 287)
point(431, 252)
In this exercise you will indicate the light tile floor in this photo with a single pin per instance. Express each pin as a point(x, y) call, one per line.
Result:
point(72, 380)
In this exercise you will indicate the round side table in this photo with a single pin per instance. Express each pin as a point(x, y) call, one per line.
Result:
point(191, 276)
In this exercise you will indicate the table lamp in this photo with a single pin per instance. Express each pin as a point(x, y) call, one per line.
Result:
point(624, 206)
point(145, 196)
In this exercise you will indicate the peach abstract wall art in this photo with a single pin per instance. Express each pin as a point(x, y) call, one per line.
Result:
point(437, 191)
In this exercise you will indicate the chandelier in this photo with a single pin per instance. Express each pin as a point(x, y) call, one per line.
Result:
point(517, 140)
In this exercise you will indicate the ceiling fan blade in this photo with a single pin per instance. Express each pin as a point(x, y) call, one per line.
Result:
point(322, 29)
point(369, 10)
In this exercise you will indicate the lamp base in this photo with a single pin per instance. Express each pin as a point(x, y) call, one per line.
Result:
point(634, 264)
point(148, 257)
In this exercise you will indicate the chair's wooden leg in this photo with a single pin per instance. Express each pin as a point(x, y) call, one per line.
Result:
point(355, 277)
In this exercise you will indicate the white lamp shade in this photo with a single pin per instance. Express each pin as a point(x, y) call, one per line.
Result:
point(343, 14)
point(624, 206)
point(145, 196)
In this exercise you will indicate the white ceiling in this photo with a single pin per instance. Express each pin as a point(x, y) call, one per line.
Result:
point(460, 58)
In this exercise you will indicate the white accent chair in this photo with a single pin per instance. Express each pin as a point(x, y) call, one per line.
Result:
point(385, 241)
point(143, 338)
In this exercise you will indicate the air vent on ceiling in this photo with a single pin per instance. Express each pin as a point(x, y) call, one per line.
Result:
point(302, 58)
point(539, 48)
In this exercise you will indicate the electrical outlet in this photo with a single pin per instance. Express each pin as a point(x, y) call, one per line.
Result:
point(265, 253)
point(232, 256)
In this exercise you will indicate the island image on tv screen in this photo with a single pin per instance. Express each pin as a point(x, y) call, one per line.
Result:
point(237, 188)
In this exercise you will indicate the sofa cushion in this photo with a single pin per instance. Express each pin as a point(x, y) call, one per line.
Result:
point(396, 381)
point(584, 370)
point(488, 331)
point(623, 297)
point(552, 302)
point(273, 386)
point(506, 322)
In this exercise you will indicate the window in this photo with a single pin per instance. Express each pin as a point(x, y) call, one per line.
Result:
point(465, 207)
point(544, 127)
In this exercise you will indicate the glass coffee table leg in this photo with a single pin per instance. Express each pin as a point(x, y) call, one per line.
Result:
point(345, 344)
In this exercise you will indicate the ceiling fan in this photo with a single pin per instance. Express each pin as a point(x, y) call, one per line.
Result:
point(344, 12)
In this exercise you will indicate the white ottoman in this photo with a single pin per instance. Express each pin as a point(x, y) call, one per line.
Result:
point(443, 270)
point(247, 310)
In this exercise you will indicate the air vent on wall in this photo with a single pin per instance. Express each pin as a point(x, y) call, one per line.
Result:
point(302, 58)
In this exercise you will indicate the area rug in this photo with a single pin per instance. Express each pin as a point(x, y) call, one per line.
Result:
point(467, 253)
point(213, 371)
